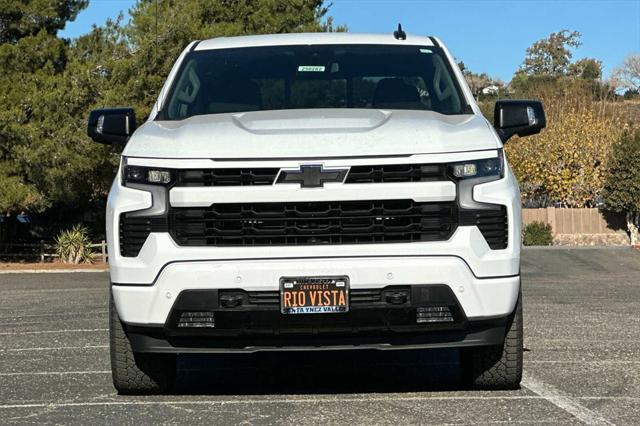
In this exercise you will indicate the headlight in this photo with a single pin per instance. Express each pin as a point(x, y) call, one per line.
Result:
point(147, 175)
point(479, 168)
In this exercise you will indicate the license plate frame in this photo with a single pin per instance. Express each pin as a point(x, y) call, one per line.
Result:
point(314, 299)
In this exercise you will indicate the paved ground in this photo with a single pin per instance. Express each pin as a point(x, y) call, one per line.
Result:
point(582, 339)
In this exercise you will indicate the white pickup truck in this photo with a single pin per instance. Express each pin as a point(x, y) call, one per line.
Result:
point(314, 192)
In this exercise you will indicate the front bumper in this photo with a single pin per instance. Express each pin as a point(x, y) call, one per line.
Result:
point(479, 298)
point(393, 317)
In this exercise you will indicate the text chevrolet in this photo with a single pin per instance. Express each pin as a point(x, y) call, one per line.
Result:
point(314, 192)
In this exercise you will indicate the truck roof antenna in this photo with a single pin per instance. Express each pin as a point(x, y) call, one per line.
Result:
point(399, 34)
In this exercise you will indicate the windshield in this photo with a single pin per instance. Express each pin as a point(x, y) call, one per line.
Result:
point(314, 76)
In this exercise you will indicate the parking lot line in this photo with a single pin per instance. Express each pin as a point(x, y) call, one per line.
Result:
point(56, 314)
point(341, 399)
point(51, 271)
point(582, 361)
point(55, 348)
point(563, 401)
point(20, 291)
point(54, 373)
point(585, 415)
point(75, 330)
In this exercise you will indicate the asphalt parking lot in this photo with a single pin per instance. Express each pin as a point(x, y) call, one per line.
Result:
point(582, 340)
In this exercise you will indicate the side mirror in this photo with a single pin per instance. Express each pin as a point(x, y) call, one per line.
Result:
point(518, 117)
point(111, 125)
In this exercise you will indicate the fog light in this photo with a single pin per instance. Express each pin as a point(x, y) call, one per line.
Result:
point(196, 320)
point(431, 314)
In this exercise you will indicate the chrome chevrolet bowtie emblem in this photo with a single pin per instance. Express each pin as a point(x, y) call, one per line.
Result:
point(311, 176)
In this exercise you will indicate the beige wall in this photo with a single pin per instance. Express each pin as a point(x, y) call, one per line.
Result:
point(574, 221)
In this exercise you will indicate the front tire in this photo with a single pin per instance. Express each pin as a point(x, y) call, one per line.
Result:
point(498, 367)
point(136, 373)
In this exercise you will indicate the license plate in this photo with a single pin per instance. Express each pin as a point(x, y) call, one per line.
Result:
point(314, 295)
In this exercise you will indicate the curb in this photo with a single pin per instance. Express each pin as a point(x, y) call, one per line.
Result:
point(50, 271)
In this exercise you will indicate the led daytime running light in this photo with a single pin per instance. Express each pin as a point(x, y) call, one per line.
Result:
point(146, 175)
point(479, 168)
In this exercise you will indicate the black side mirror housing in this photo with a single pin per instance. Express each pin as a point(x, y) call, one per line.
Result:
point(518, 117)
point(111, 125)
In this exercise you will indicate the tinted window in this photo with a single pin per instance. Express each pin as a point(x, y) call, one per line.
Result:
point(325, 76)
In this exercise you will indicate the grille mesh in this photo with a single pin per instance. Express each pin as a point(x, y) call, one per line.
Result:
point(135, 230)
point(227, 177)
point(339, 222)
point(397, 173)
point(384, 173)
point(492, 223)
point(314, 223)
point(494, 227)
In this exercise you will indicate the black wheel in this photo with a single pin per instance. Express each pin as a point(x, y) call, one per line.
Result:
point(136, 373)
point(497, 367)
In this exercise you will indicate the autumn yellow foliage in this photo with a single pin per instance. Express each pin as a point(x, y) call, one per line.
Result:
point(564, 165)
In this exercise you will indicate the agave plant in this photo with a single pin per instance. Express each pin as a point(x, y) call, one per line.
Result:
point(74, 245)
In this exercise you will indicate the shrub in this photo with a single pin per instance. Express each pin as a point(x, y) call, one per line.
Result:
point(566, 162)
point(622, 182)
point(537, 234)
point(74, 245)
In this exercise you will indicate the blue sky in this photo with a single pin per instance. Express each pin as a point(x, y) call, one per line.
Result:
point(489, 36)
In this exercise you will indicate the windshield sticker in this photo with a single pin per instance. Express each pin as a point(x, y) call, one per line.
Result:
point(311, 68)
point(425, 51)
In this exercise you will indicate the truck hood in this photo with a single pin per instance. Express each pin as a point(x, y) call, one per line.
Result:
point(312, 133)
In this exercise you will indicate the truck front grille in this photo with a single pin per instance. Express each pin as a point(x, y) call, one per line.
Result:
point(397, 173)
point(381, 173)
point(227, 177)
point(303, 223)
